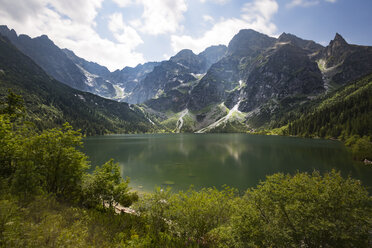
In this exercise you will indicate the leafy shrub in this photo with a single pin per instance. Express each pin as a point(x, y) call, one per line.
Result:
point(304, 211)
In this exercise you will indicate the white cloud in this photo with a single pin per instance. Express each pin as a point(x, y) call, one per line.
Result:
point(123, 33)
point(222, 2)
point(255, 15)
point(136, 23)
point(77, 10)
point(123, 3)
point(159, 16)
point(70, 24)
point(306, 3)
point(208, 18)
point(162, 16)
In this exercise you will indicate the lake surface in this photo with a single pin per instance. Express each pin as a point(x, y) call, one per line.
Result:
point(207, 160)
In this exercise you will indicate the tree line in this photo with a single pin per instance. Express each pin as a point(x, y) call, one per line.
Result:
point(345, 115)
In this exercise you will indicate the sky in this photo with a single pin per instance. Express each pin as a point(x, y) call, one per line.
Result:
point(119, 33)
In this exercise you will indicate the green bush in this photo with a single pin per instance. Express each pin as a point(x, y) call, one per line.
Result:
point(361, 147)
point(106, 186)
point(304, 211)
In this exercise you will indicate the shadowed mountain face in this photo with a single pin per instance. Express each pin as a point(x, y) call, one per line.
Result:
point(50, 103)
point(255, 76)
point(257, 68)
point(308, 45)
point(129, 84)
point(182, 71)
point(225, 75)
point(129, 77)
point(341, 62)
point(63, 65)
point(283, 71)
point(48, 56)
point(90, 67)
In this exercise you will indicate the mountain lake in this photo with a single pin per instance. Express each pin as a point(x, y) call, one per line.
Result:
point(213, 160)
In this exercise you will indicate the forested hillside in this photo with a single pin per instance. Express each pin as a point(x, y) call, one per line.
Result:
point(346, 112)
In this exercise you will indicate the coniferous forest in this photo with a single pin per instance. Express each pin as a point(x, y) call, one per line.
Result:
point(344, 115)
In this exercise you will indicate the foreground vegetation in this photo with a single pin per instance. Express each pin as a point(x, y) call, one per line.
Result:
point(47, 199)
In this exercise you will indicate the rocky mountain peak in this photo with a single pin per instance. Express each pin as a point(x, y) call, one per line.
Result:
point(336, 50)
point(43, 37)
point(189, 60)
point(247, 42)
point(347, 62)
point(337, 44)
point(285, 36)
point(7, 32)
point(185, 54)
point(339, 39)
point(308, 45)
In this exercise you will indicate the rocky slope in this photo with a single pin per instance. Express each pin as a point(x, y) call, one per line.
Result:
point(180, 73)
point(48, 56)
point(341, 62)
point(50, 103)
point(133, 85)
point(250, 84)
point(63, 65)
point(127, 79)
point(256, 69)
point(259, 79)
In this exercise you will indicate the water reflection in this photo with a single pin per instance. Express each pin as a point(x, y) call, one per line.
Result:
point(206, 160)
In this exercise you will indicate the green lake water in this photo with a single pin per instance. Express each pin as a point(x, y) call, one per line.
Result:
point(207, 160)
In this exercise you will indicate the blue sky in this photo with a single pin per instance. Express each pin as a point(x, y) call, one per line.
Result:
point(118, 33)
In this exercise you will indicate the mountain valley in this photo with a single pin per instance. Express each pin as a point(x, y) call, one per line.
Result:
point(254, 83)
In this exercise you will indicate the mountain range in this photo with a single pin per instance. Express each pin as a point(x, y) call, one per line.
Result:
point(252, 83)
point(50, 103)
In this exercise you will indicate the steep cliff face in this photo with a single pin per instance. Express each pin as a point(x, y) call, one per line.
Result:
point(163, 78)
point(62, 65)
point(285, 70)
point(50, 103)
point(214, 87)
point(308, 45)
point(212, 55)
point(127, 79)
point(91, 67)
point(341, 62)
point(48, 56)
point(171, 81)
point(225, 75)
